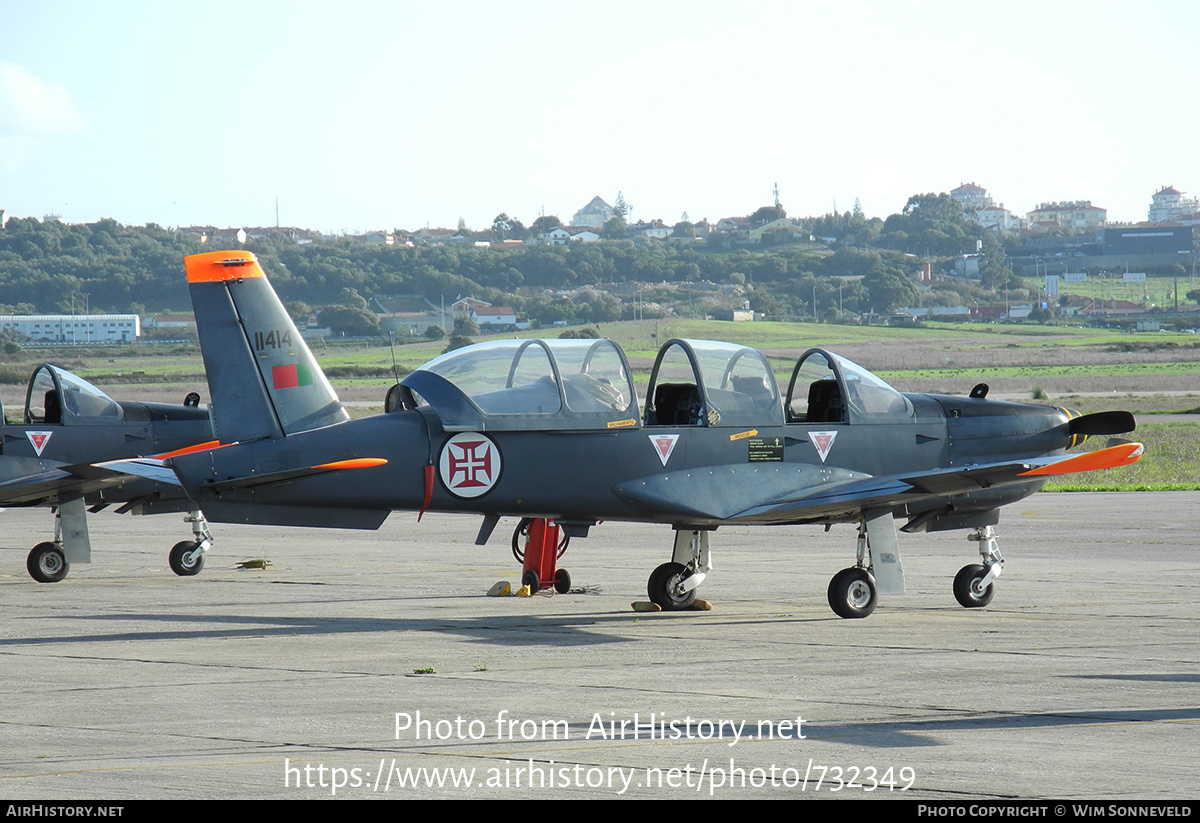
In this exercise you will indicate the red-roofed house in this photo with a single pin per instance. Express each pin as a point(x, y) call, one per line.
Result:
point(1170, 204)
point(494, 316)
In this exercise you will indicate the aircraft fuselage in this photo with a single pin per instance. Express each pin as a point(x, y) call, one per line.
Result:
point(629, 473)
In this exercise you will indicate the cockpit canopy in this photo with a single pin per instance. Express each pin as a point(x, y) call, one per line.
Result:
point(827, 388)
point(586, 384)
point(529, 384)
point(708, 383)
point(56, 396)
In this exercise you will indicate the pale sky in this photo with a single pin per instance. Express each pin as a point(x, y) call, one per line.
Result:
point(369, 114)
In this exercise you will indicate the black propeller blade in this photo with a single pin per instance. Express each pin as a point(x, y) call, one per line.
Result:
point(1109, 422)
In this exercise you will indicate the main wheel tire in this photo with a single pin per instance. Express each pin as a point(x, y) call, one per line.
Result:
point(533, 580)
point(852, 593)
point(47, 563)
point(183, 562)
point(968, 592)
point(661, 588)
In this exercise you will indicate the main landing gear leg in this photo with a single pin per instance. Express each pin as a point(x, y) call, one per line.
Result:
point(973, 587)
point(854, 592)
point(187, 556)
point(50, 561)
point(673, 585)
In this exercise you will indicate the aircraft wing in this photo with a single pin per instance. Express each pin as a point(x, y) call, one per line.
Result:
point(34, 488)
point(780, 493)
point(27, 481)
point(33, 482)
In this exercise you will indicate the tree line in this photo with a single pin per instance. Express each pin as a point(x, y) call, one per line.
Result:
point(52, 267)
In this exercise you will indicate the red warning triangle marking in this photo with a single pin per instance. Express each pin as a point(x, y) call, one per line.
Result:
point(38, 440)
point(822, 442)
point(664, 444)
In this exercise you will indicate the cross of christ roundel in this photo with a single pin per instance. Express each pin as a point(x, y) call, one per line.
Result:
point(469, 465)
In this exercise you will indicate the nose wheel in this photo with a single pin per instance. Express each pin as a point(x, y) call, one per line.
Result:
point(187, 556)
point(969, 588)
point(973, 588)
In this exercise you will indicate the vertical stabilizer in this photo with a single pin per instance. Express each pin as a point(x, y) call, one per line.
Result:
point(263, 379)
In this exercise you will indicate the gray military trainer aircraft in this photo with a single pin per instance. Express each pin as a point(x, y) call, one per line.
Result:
point(68, 424)
point(550, 430)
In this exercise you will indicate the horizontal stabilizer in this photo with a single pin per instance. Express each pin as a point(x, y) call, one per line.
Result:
point(146, 468)
point(161, 471)
point(254, 480)
point(199, 447)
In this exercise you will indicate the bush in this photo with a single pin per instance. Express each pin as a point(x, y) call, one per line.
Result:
point(457, 341)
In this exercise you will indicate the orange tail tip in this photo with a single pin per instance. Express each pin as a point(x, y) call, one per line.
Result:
point(359, 463)
point(199, 447)
point(1110, 458)
point(219, 266)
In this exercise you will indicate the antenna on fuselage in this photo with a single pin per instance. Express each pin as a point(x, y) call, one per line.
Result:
point(392, 346)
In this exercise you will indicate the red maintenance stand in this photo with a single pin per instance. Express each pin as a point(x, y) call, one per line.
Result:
point(543, 546)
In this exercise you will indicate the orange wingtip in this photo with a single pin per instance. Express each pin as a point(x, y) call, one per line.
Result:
point(359, 463)
point(199, 447)
point(1110, 458)
point(219, 266)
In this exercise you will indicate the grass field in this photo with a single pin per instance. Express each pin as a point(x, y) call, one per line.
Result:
point(1157, 290)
